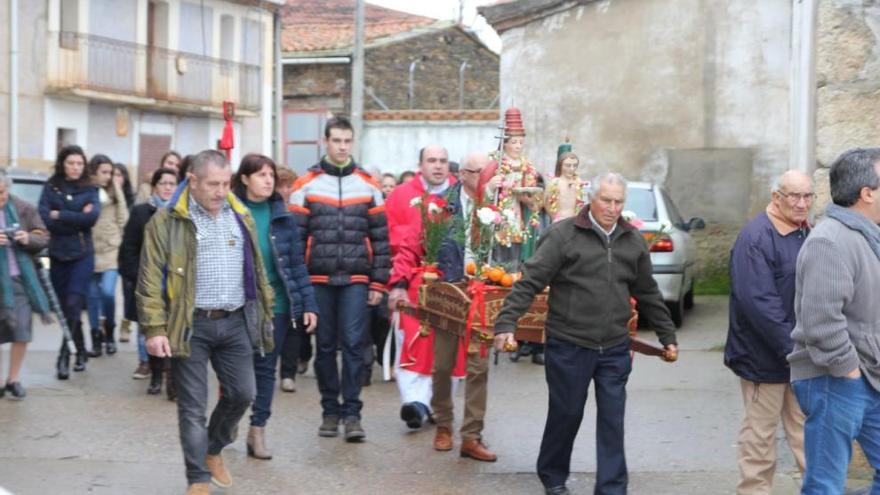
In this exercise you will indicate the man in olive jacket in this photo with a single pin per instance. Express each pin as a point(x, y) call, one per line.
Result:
point(594, 263)
point(203, 296)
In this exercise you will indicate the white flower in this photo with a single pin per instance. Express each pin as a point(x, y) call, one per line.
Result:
point(434, 209)
point(509, 215)
point(416, 201)
point(629, 215)
point(487, 216)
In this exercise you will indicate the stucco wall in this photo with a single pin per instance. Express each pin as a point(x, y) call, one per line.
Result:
point(393, 146)
point(629, 79)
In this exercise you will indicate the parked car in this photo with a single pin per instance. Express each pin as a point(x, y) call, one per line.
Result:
point(673, 251)
point(27, 184)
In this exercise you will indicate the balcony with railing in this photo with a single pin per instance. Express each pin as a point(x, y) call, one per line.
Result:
point(149, 75)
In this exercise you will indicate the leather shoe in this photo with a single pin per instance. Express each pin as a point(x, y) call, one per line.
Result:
point(219, 475)
point(476, 450)
point(538, 358)
point(443, 439)
point(556, 490)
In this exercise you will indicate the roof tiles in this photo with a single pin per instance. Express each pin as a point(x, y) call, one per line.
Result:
point(310, 26)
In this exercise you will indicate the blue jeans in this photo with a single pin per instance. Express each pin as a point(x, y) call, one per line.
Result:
point(838, 410)
point(264, 370)
point(570, 369)
point(142, 346)
point(342, 323)
point(102, 299)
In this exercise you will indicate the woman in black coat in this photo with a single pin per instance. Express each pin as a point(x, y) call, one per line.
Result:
point(69, 206)
point(162, 183)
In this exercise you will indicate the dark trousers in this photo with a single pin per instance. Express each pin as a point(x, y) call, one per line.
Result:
point(224, 343)
point(378, 326)
point(342, 324)
point(297, 347)
point(569, 370)
point(264, 370)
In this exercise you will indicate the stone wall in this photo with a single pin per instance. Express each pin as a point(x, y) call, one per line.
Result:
point(436, 78)
point(847, 77)
point(386, 75)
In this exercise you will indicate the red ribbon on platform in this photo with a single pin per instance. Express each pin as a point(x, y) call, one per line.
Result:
point(477, 289)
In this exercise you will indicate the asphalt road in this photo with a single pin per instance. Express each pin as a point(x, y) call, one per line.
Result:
point(99, 433)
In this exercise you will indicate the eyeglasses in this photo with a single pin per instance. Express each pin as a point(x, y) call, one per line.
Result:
point(470, 171)
point(797, 197)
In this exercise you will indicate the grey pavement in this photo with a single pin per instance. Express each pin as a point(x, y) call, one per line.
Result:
point(99, 433)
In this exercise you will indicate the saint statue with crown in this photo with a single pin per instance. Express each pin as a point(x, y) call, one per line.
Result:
point(510, 180)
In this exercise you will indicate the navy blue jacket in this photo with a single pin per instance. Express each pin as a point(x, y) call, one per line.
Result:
point(762, 289)
point(450, 257)
point(72, 231)
point(289, 258)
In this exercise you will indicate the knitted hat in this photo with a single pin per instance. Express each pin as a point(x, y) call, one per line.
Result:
point(513, 125)
point(564, 147)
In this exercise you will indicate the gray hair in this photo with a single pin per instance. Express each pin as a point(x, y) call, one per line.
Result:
point(606, 177)
point(5, 178)
point(852, 171)
point(780, 180)
point(204, 158)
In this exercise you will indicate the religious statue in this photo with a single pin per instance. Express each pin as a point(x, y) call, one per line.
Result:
point(565, 191)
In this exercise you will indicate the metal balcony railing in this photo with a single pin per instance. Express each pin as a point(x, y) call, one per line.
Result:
point(106, 65)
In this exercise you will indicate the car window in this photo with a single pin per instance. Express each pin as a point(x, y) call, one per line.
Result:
point(27, 190)
point(672, 211)
point(641, 202)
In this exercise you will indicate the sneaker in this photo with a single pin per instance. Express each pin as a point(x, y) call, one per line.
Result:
point(15, 390)
point(329, 427)
point(142, 372)
point(288, 385)
point(353, 430)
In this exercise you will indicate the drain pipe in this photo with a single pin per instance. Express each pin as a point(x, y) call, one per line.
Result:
point(13, 83)
point(412, 71)
point(802, 155)
point(461, 69)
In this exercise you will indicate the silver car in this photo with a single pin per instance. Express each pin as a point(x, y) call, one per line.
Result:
point(673, 251)
point(27, 184)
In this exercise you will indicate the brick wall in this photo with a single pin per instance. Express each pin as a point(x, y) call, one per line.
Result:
point(439, 54)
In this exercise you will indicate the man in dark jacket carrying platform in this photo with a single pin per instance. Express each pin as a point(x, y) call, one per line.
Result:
point(762, 289)
point(594, 263)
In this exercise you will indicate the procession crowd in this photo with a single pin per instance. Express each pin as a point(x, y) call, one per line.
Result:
point(260, 272)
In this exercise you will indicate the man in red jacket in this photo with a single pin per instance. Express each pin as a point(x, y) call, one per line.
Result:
point(415, 352)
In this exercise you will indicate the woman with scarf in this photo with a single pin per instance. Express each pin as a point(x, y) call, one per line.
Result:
point(107, 234)
point(282, 252)
point(69, 206)
point(22, 294)
point(163, 183)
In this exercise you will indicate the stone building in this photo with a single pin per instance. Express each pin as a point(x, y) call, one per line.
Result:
point(710, 97)
point(425, 81)
point(135, 78)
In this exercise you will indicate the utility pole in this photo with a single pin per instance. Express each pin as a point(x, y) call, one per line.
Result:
point(13, 83)
point(357, 77)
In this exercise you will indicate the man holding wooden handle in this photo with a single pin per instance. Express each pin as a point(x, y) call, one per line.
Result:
point(593, 263)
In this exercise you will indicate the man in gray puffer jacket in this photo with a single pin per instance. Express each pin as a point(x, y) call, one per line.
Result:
point(835, 364)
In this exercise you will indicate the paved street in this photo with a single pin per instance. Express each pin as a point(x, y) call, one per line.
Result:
point(99, 433)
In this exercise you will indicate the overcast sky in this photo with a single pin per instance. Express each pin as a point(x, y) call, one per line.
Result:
point(448, 9)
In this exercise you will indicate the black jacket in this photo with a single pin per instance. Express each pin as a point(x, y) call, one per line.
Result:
point(133, 240)
point(591, 281)
point(341, 216)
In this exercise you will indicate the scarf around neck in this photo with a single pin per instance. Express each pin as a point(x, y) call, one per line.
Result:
point(36, 296)
point(858, 222)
